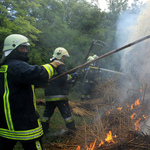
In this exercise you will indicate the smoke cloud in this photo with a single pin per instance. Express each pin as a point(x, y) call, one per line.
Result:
point(135, 62)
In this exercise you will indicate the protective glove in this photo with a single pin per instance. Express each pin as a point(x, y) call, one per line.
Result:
point(76, 74)
point(56, 63)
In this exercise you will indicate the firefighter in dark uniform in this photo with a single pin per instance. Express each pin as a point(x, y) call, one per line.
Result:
point(56, 94)
point(89, 79)
point(18, 113)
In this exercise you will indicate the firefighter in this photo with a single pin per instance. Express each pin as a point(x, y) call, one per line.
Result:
point(95, 56)
point(89, 79)
point(18, 113)
point(56, 94)
point(96, 63)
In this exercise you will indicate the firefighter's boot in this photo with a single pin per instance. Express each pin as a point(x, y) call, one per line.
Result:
point(71, 128)
point(82, 97)
point(88, 97)
point(45, 126)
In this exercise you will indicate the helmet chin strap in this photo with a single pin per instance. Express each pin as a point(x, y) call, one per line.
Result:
point(51, 59)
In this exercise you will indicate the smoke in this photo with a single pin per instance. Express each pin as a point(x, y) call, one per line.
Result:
point(135, 62)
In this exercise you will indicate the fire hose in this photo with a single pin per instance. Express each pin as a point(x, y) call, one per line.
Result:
point(100, 57)
point(94, 42)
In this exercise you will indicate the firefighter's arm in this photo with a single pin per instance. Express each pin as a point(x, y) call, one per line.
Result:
point(95, 68)
point(50, 68)
point(72, 76)
point(56, 63)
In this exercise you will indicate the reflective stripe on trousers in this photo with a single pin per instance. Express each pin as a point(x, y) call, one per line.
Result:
point(69, 119)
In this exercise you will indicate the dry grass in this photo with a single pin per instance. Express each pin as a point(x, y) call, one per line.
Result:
point(109, 115)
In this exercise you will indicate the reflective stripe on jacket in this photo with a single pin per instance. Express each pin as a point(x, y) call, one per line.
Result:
point(57, 89)
point(18, 115)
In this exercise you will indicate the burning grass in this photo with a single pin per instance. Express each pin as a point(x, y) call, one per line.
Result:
point(116, 125)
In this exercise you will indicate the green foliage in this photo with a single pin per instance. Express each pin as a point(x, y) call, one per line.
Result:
point(71, 24)
point(117, 6)
point(35, 57)
point(15, 18)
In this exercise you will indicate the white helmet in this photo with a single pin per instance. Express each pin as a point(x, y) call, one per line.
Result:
point(11, 42)
point(90, 58)
point(95, 56)
point(14, 40)
point(59, 52)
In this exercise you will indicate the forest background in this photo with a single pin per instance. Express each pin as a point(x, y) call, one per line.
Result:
point(72, 24)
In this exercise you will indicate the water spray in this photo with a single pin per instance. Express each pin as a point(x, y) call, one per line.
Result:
point(112, 71)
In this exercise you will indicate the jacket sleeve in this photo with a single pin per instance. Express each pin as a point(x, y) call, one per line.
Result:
point(22, 72)
point(60, 70)
point(50, 70)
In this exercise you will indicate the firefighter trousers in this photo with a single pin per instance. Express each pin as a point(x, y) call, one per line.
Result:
point(64, 109)
point(8, 144)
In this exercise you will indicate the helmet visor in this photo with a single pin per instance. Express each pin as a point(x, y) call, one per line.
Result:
point(66, 54)
point(25, 44)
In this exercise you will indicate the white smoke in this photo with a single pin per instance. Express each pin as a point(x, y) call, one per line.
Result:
point(135, 61)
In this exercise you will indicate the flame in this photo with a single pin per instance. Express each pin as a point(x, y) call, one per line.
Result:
point(78, 148)
point(109, 112)
point(137, 102)
point(109, 137)
point(119, 108)
point(92, 145)
point(142, 87)
point(137, 124)
point(132, 116)
point(145, 117)
point(101, 143)
point(131, 106)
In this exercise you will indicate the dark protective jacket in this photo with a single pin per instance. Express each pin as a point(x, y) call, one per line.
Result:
point(19, 119)
point(58, 88)
point(90, 74)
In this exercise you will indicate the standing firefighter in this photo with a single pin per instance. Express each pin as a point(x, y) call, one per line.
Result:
point(89, 79)
point(18, 115)
point(96, 63)
point(56, 94)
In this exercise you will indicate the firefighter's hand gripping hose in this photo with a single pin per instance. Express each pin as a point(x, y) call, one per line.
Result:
point(76, 74)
